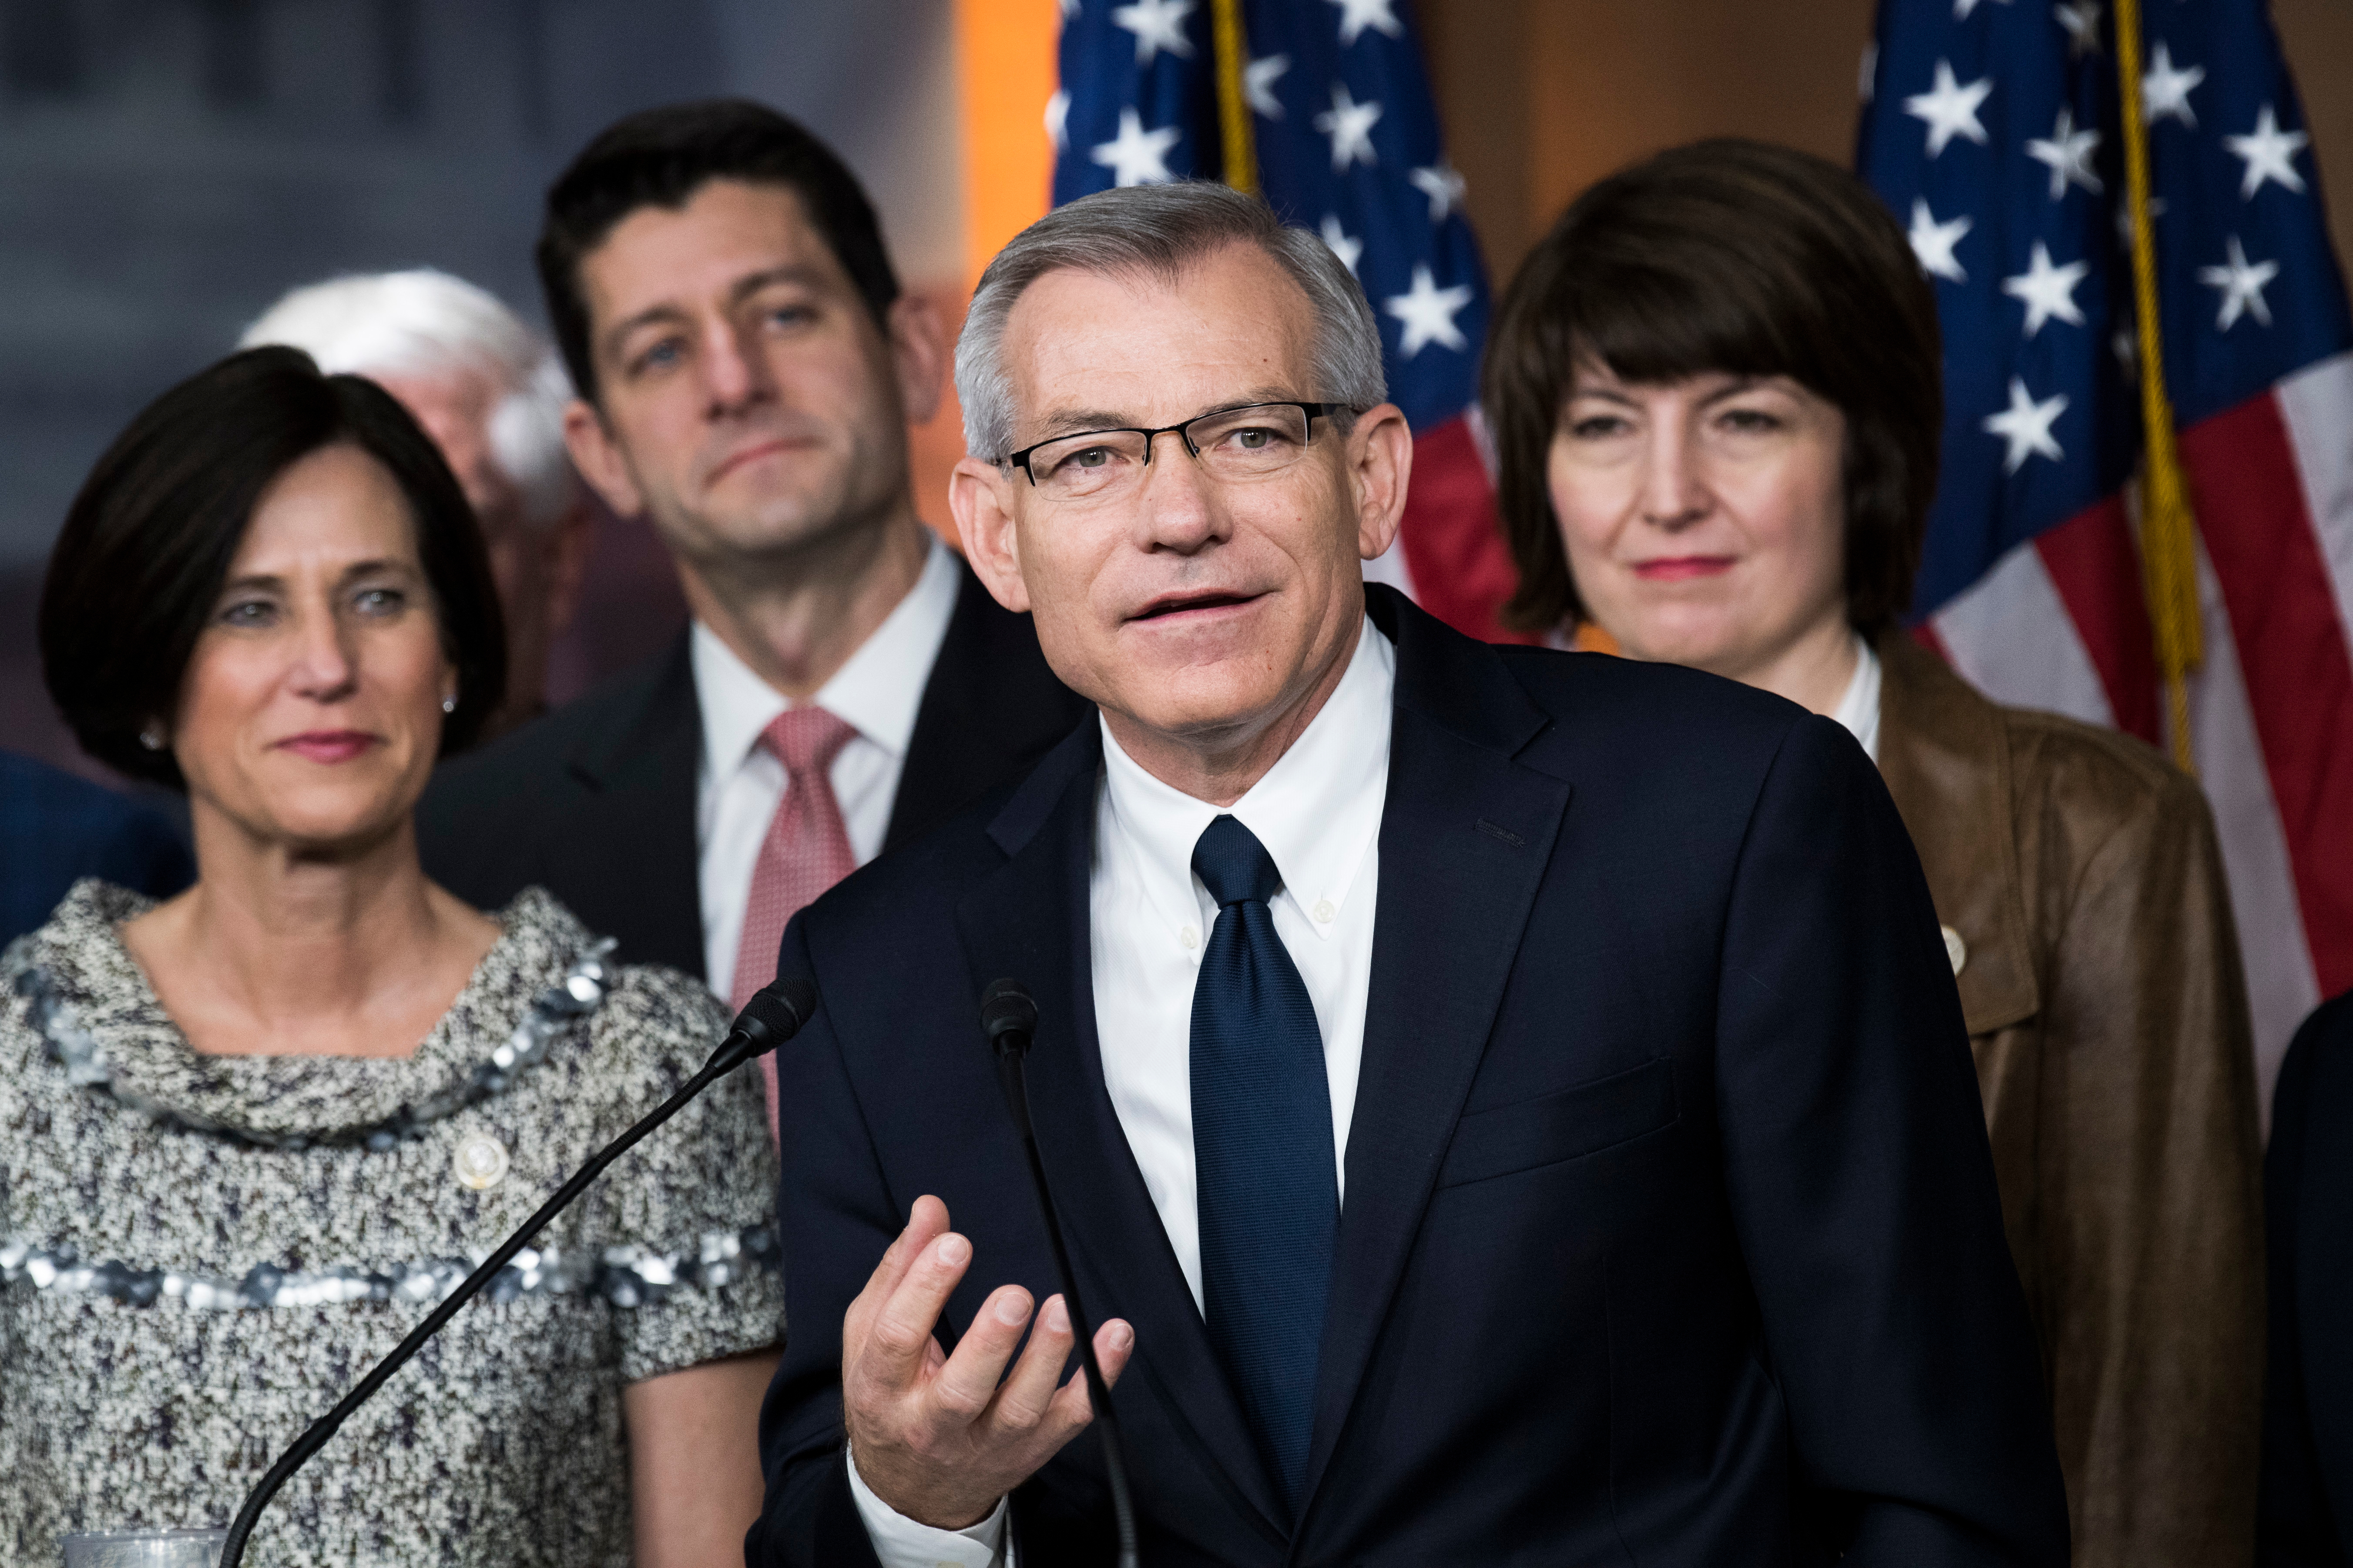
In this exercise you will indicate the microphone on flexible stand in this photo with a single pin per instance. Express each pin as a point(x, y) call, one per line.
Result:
point(1009, 1018)
point(770, 1018)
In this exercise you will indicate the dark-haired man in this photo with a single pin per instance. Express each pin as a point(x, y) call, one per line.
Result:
point(746, 368)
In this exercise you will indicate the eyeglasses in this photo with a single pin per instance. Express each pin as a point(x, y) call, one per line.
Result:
point(1230, 444)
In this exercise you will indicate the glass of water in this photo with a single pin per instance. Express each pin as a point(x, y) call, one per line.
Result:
point(145, 1549)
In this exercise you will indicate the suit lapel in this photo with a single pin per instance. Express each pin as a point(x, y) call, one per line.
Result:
point(636, 819)
point(991, 706)
point(1029, 919)
point(1466, 834)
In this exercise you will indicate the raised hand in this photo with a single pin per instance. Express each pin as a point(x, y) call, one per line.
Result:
point(941, 1437)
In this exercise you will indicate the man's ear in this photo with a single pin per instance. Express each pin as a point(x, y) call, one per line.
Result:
point(1380, 466)
point(918, 354)
point(981, 496)
point(600, 459)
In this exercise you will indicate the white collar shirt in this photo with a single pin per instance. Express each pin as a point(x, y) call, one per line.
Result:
point(1857, 710)
point(740, 782)
point(1318, 811)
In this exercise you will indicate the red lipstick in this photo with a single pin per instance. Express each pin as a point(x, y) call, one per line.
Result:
point(1682, 568)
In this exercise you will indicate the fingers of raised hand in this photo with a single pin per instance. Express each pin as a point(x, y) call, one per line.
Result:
point(1026, 1396)
point(925, 1224)
point(1114, 1344)
point(966, 1384)
point(1071, 1408)
point(902, 1327)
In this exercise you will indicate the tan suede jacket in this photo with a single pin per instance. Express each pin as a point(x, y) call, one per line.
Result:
point(2099, 973)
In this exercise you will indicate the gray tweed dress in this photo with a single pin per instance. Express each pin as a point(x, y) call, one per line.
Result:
point(199, 1255)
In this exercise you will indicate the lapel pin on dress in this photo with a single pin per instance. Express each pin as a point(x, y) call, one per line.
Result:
point(1955, 949)
point(480, 1161)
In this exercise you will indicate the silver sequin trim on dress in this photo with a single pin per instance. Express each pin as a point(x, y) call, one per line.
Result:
point(626, 1276)
point(551, 1012)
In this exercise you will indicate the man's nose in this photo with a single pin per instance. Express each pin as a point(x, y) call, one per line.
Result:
point(1175, 506)
point(734, 375)
point(1674, 490)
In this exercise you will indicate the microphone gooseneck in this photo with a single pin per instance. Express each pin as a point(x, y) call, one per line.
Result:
point(768, 1021)
point(1008, 1016)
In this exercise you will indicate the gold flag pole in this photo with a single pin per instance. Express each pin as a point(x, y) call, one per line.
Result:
point(2169, 530)
point(1233, 103)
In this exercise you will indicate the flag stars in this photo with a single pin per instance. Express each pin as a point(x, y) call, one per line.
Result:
point(1355, 15)
point(2081, 22)
point(2025, 425)
point(1443, 185)
point(1428, 312)
point(1157, 24)
point(1350, 126)
point(1137, 156)
point(2048, 290)
point(1933, 242)
point(1949, 108)
point(1057, 118)
point(2068, 152)
point(2165, 90)
point(1343, 244)
point(2269, 154)
point(2240, 283)
point(1259, 78)
point(1961, 8)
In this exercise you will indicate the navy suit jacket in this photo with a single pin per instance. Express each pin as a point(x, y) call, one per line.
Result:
point(56, 829)
point(1671, 1235)
point(2307, 1499)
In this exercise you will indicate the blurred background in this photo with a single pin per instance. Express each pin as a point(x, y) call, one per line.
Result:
point(169, 167)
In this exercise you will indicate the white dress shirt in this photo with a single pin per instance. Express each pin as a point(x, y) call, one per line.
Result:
point(1859, 709)
point(1318, 811)
point(740, 782)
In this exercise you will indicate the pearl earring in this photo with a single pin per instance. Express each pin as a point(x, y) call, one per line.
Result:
point(152, 737)
point(449, 705)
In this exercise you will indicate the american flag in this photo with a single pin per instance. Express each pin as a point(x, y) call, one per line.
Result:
point(1346, 144)
point(1992, 129)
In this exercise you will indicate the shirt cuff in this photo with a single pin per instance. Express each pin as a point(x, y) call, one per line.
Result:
point(901, 1542)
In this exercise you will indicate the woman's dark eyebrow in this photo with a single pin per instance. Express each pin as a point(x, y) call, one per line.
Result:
point(270, 582)
point(1743, 384)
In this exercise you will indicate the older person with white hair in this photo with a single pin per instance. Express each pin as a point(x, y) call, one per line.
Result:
point(491, 393)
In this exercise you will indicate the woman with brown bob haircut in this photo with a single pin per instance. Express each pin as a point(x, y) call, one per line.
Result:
point(1716, 398)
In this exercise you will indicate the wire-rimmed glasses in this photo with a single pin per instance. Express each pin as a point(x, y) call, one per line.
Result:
point(1230, 444)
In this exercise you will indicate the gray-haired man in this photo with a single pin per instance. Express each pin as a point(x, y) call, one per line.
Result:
point(1505, 1105)
point(492, 394)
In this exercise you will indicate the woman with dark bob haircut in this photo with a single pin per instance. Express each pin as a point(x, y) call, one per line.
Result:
point(1714, 388)
point(250, 1135)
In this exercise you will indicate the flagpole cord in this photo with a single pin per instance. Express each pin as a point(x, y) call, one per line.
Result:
point(2169, 530)
point(1233, 102)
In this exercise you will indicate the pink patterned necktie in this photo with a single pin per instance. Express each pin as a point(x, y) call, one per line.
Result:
point(807, 851)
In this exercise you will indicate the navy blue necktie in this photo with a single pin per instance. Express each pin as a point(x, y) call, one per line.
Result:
point(1263, 1171)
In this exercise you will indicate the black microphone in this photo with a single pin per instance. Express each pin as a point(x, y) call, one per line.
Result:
point(1009, 1018)
point(768, 1021)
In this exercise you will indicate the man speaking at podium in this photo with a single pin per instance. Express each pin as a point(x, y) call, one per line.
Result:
point(1504, 1105)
